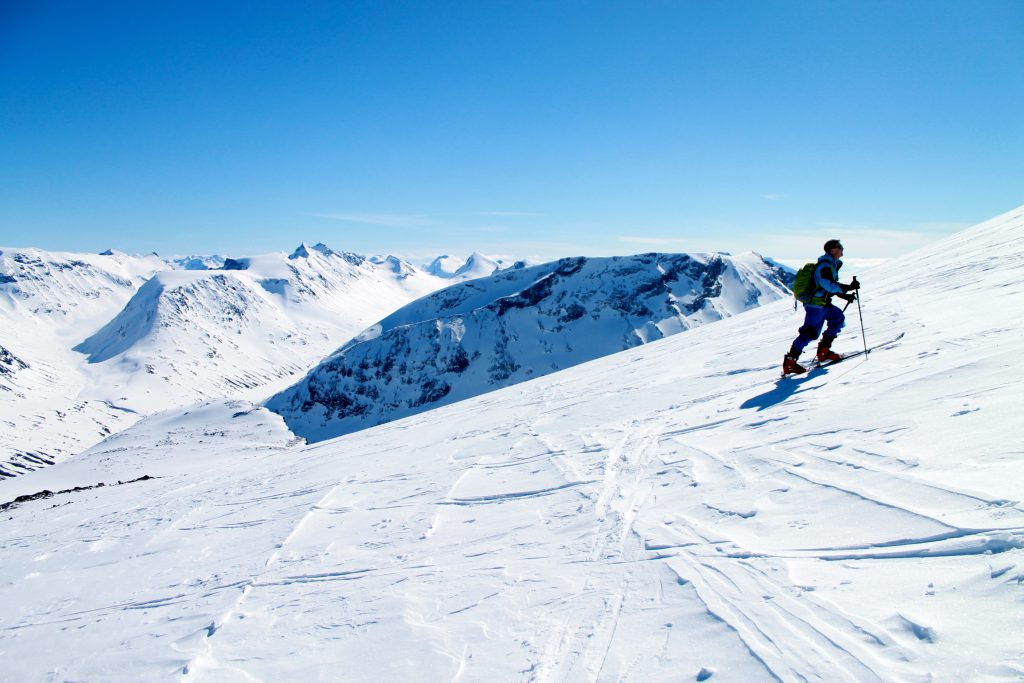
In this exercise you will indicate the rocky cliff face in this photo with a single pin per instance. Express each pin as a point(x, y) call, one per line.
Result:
point(518, 324)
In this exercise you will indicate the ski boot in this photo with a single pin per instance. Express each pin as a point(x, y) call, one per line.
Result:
point(790, 366)
point(825, 352)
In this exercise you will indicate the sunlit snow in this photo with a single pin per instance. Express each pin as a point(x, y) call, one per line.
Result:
point(671, 512)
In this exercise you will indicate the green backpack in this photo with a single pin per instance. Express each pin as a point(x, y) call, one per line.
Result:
point(803, 284)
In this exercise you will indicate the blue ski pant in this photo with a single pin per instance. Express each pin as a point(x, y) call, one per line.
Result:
point(814, 318)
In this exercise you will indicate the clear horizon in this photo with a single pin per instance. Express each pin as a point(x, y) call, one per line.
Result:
point(532, 130)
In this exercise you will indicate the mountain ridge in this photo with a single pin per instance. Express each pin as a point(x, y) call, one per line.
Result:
point(97, 340)
point(518, 323)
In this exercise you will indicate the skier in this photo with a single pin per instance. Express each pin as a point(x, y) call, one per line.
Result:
point(819, 310)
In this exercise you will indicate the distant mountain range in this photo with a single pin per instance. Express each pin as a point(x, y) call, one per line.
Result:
point(91, 342)
point(193, 334)
point(515, 325)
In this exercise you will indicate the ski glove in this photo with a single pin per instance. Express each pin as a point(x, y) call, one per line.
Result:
point(852, 287)
point(848, 298)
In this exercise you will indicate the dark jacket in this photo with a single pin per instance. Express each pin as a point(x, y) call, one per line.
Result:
point(826, 280)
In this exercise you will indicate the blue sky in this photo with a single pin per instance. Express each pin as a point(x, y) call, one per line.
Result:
point(535, 129)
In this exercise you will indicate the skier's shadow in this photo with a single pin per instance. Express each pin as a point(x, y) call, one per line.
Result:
point(784, 388)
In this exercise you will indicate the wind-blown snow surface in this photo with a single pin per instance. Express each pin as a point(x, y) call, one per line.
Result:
point(671, 512)
point(518, 324)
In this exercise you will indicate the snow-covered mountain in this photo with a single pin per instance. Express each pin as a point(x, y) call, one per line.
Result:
point(49, 301)
point(458, 270)
point(189, 335)
point(67, 292)
point(96, 341)
point(515, 325)
point(671, 512)
point(198, 262)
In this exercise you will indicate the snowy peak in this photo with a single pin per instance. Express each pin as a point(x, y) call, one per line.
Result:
point(304, 251)
point(323, 249)
point(301, 251)
point(235, 264)
point(455, 269)
point(517, 324)
point(208, 305)
point(401, 268)
point(190, 334)
point(444, 266)
point(194, 262)
point(477, 265)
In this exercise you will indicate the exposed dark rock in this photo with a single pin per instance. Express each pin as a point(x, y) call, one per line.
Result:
point(9, 363)
point(41, 495)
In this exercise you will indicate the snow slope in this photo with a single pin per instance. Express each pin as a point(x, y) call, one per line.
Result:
point(635, 518)
point(188, 335)
point(68, 292)
point(49, 301)
point(101, 340)
point(519, 323)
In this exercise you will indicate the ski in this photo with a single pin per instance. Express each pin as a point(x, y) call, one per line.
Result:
point(815, 364)
point(855, 354)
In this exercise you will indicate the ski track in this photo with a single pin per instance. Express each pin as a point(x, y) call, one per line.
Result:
point(662, 517)
point(612, 475)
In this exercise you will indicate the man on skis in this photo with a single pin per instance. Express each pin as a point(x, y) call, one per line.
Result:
point(819, 310)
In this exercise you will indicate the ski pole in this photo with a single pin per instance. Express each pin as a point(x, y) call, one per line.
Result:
point(851, 300)
point(861, 316)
